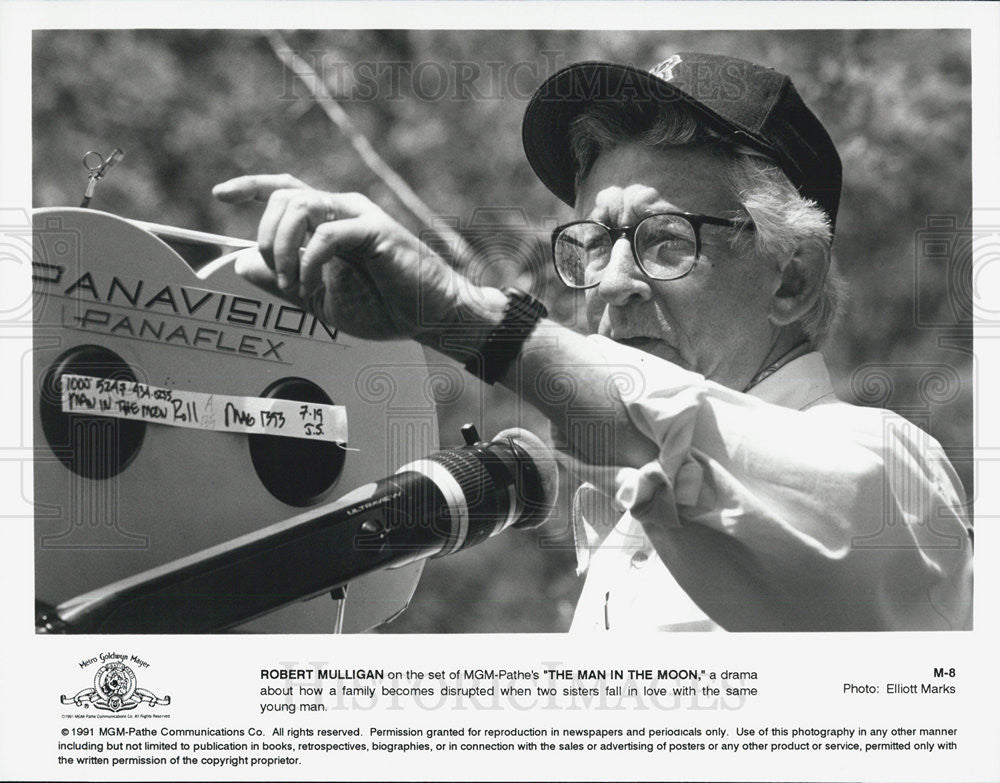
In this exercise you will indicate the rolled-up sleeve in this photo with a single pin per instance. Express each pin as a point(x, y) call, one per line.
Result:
point(772, 518)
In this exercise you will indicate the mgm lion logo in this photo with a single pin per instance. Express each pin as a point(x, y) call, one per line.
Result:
point(115, 690)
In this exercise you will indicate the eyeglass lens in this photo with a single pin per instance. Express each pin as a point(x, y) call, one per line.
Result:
point(665, 246)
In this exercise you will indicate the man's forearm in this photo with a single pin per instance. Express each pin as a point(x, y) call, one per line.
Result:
point(559, 373)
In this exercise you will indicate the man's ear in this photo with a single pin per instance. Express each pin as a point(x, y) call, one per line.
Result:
point(800, 280)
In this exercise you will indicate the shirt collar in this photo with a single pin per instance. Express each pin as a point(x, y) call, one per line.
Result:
point(800, 384)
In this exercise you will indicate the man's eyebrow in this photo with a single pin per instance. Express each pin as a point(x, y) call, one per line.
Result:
point(657, 207)
point(635, 213)
point(597, 214)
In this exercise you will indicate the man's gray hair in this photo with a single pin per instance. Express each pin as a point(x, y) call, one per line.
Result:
point(781, 217)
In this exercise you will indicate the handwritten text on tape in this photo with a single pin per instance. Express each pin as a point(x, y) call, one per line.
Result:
point(219, 412)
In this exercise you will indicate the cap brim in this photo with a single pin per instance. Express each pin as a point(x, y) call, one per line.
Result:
point(563, 96)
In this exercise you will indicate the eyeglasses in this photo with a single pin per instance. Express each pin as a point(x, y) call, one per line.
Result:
point(665, 246)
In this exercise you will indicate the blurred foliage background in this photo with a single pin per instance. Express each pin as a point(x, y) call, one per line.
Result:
point(444, 108)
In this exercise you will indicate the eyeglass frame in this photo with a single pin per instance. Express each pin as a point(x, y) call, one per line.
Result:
point(628, 232)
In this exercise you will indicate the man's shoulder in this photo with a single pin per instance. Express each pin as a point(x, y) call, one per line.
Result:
point(894, 438)
point(881, 423)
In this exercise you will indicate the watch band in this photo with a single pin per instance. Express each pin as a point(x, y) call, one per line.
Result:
point(503, 344)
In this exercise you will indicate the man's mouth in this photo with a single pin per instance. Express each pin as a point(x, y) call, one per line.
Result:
point(654, 346)
point(643, 343)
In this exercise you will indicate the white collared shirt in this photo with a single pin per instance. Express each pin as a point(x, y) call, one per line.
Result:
point(778, 509)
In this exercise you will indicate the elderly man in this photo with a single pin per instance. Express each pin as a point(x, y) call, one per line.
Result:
point(705, 196)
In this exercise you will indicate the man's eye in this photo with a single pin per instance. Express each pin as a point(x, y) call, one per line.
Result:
point(582, 246)
point(663, 233)
point(666, 241)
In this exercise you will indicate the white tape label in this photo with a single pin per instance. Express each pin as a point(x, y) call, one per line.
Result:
point(218, 412)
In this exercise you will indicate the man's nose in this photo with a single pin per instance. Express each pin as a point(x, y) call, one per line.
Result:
point(622, 279)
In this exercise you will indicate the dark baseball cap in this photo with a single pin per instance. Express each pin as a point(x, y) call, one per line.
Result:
point(746, 103)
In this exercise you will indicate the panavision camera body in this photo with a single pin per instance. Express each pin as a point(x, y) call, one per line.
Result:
point(173, 446)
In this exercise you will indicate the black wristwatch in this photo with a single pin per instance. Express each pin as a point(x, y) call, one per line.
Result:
point(503, 344)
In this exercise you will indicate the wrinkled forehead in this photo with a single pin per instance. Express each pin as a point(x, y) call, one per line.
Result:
point(633, 179)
